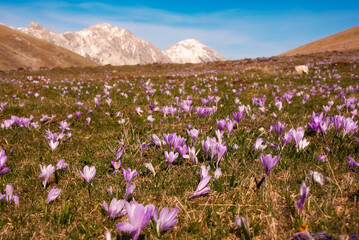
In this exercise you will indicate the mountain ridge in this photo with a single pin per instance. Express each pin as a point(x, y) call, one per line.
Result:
point(107, 44)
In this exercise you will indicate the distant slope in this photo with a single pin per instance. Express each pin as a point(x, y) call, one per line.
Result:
point(20, 50)
point(345, 40)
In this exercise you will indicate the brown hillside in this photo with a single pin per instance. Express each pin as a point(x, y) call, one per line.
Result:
point(345, 40)
point(19, 50)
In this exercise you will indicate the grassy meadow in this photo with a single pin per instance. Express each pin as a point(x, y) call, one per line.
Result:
point(108, 108)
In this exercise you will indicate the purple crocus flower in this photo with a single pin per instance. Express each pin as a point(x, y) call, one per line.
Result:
point(268, 162)
point(116, 208)
point(349, 125)
point(116, 165)
point(169, 139)
point(129, 190)
point(203, 187)
point(78, 114)
point(221, 150)
point(337, 122)
point(237, 116)
point(109, 190)
point(156, 140)
point(221, 124)
point(88, 174)
point(204, 171)
point(10, 195)
point(3, 159)
point(53, 194)
point(316, 119)
point(166, 220)
point(182, 150)
point(143, 146)
point(150, 167)
point(352, 163)
point(46, 173)
point(61, 165)
point(278, 128)
point(171, 157)
point(323, 158)
point(259, 145)
point(53, 144)
point(129, 175)
point(304, 191)
point(193, 133)
point(230, 125)
point(88, 120)
point(119, 153)
point(64, 126)
point(297, 135)
point(239, 220)
point(139, 217)
point(218, 173)
point(206, 146)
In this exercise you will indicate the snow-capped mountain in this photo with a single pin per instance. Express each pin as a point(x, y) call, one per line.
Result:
point(192, 51)
point(107, 44)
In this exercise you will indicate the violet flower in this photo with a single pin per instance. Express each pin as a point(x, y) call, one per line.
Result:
point(317, 177)
point(221, 150)
point(129, 175)
point(139, 217)
point(61, 165)
point(204, 171)
point(88, 120)
point(268, 162)
point(192, 154)
point(46, 173)
point(278, 128)
point(3, 159)
point(169, 139)
point(239, 221)
point(193, 133)
point(119, 153)
point(130, 188)
point(218, 173)
point(116, 165)
point(116, 208)
point(156, 140)
point(53, 194)
point(166, 220)
point(352, 163)
point(171, 157)
point(237, 116)
point(143, 146)
point(203, 187)
point(259, 145)
point(53, 144)
point(150, 167)
point(88, 174)
point(221, 124)
point(10, 195)
point(230, 125)
point(304, 191)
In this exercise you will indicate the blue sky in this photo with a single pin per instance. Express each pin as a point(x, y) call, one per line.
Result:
point(236, 29)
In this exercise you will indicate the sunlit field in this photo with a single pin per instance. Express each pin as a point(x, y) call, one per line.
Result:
point(244, 149)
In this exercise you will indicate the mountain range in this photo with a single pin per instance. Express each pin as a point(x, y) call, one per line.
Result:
point(107, 44)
